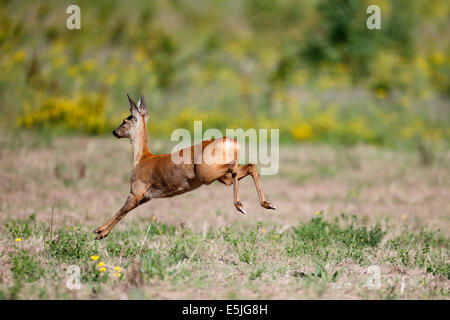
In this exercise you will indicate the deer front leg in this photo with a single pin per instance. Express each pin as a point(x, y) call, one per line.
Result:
point(131, 203)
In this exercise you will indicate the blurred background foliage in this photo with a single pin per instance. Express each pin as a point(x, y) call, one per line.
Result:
point(310, 68)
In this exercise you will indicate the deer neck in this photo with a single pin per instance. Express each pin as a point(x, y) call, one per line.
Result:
point(139, 144)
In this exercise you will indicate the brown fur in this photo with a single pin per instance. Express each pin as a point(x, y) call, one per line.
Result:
point(157, 176)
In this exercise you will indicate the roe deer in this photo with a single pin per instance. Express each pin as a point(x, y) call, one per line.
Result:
point(158, 176)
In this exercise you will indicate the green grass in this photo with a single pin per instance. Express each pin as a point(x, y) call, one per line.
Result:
point(324, 240)
point(198, 246)
point(25, 266)
point(314, 255)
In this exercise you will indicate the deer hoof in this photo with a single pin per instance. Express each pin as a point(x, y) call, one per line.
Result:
point(98, 230)
point(101, 235)
point(268, 205)
point(240, 207)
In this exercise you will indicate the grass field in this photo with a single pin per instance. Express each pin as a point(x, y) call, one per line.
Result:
point(340, 211)
point(364, 182)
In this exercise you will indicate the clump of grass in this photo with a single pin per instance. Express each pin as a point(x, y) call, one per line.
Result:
point(154, 265)
point(178, 252)
point(26, 266)
point(70, 245)
point(322, 274)
point(159, 228)
point(422, 248)
point(441, 268)
point(319, 237)
point(22, 228)
point(256, 274)
point(126, 248)
point(324, 233)
point(243, 243)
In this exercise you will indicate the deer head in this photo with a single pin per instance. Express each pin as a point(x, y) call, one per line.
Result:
point(135, 124)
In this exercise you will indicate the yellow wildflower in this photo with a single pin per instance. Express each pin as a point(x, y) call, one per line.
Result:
point(117, 269)
point(89, 65)
point(100, 264)
point(94, 258)
point(139, 55)
point(18, 239)
point(19, 56)
point(102, 269)
point(303, 132)
point(275, 236)
point(317, 213)
point(438, 57)
point(116, 274)
point(381, 93)
point(154, 218)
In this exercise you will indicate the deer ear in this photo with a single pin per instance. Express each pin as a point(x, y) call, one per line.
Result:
point(133, 108)
point(142, 106)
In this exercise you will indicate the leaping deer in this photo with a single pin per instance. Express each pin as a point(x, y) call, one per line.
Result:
point(158, 176)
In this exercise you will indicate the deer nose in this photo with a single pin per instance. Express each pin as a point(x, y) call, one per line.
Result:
point(115, 134)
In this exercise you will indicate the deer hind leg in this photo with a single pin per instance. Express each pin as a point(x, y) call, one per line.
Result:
point(255, 175)
point(237, 202)
point(243, 171)
point(131, 203)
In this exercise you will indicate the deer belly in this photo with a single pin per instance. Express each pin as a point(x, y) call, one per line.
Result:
point(167, 190)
